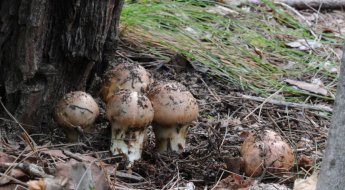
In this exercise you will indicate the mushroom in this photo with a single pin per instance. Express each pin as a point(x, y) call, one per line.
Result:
point(175, 108)
point(125, 76)
point(266, 149)
point(76, 110)
point(130, 113)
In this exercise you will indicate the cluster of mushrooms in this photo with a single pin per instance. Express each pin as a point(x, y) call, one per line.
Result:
point(133, 103)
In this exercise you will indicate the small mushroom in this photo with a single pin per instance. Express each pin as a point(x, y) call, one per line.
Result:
point(175, 108)
point(266, 149)
point(76, 110)
point(125, 76)
point(130, 113)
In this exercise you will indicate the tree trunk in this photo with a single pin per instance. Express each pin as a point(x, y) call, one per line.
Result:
point(48, 48)
point(332, 168)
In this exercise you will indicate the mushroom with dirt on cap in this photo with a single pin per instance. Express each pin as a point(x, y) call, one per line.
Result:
point(125, 76)
point(76, 110)
point(130, 113)
point(174, 109)
point(266, 149)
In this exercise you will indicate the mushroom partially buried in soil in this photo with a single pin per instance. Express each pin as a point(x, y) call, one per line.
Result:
point(266, 149)
point(130, 113)
point(125, 76)
point(76, 109)
point(175, 108)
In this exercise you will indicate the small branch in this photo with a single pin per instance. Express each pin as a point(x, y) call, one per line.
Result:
point(289, 104)
point(14, 179)
point(306, 4)
point(26, 135)
point(72, 155)
point(31, 169)
point(128, 176)
point(261, 105)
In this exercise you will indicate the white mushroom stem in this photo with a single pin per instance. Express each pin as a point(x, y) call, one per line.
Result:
point(127, 141)
point(170, 138)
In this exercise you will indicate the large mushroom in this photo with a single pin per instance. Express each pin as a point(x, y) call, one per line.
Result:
point(175, 108)
point(76, 110)
point(130, 113)
point(266, 150)
point(125, 76)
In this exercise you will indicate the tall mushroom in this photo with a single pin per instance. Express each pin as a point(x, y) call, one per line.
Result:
point(125, 76)
point(76, 109)
point(130, 113)
point(175, 108)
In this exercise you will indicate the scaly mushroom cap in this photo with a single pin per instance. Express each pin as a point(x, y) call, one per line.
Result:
point(266, 149)
point(128, 108)
point(125, 76)
point(173, 104)
point(76, 109)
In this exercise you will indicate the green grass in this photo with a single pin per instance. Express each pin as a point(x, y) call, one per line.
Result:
point(228, 44)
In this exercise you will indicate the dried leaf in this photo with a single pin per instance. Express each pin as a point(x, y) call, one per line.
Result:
point(234, 182)
point(270, 186)
point(187, 186)
point(15, 173)
point(37, 184)
point(306, 184)
point(317, 89)
point(330, 68)
point(303, 44)
point(234, 164)
point(86, 175)
point(12, 186)
point(221, 10)
point(55, 153)
point(305, 161)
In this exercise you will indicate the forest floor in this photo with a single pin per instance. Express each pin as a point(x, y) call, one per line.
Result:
point(245, 65)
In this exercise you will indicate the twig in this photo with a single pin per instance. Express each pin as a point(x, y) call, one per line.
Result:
point(83, 176)
point(261, 105)
point(71, 155)
point(31, 143)
point(218, 181)
point(210, 91)
point(195, 160)
point(14, 179)
point(299, 15)
point(127, 176)
point(31, 169)
point(289, 104)
point(104, 171)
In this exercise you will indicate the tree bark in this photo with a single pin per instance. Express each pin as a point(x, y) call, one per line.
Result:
point(332, 168)
point(48, 48)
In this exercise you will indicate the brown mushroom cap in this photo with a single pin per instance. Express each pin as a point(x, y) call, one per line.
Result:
point(125, 76)
point(76, 109)
point(173, 104)
point(129, 108)
point(266, 149)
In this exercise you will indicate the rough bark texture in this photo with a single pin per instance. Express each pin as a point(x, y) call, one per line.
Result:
point(48, 48)
point(332, 168)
